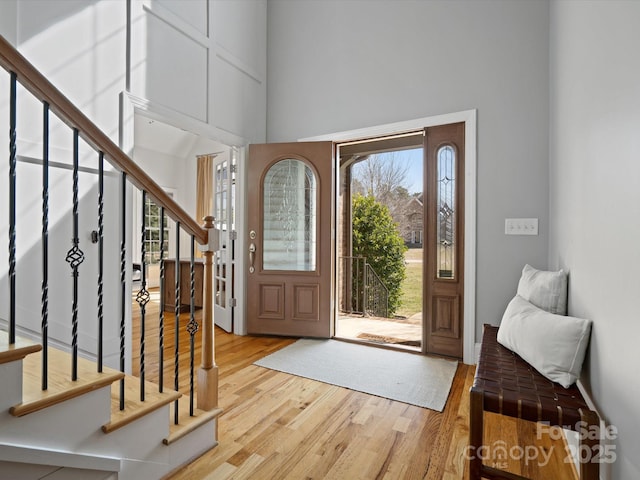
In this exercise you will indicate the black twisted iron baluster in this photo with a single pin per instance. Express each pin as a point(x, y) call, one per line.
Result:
point(75, 257)
point(161, 319)
point(45, 245)
point(100, 256)
point(123, 279)
point(192, 326)
point(12, 209)
point(143, 295)
point(176, 364)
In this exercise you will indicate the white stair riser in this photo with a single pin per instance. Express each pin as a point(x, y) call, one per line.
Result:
point(194, 444)
point(139, 440)
point(65, 426)
point(23, 471)
point(173, 456)
point(74, 426)
point(11, 381)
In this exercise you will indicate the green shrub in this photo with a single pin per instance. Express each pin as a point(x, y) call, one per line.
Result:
point(376, 237)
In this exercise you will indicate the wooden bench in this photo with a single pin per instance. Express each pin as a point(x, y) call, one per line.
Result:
point(505, 384)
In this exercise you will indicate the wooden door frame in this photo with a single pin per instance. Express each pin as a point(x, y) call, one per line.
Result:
point(469, 117)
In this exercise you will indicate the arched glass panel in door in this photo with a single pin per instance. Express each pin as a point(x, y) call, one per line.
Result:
point(446, 208)
point(289, 217)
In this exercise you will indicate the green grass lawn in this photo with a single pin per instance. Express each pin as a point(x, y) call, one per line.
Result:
point(412, 285)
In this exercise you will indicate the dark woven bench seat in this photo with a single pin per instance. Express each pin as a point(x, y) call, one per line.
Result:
point(505, 384)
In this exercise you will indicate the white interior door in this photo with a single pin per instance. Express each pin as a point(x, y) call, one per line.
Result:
point(224, 207)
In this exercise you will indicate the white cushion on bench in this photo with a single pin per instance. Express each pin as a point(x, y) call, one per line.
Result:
point(546, 290)
point(553, 344)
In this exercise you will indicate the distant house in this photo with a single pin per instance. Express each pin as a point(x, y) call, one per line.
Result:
point(412, 227)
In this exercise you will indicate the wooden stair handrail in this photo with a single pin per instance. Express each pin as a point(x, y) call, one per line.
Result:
point(31, 79)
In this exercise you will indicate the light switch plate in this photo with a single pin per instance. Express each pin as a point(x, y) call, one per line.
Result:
point(521, 226)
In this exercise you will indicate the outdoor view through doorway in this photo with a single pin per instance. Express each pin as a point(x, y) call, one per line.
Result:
point(380, 241)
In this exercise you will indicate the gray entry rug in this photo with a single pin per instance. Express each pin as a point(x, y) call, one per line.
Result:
point(405, 377)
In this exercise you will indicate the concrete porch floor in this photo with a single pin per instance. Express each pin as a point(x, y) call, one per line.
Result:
point(400, 333)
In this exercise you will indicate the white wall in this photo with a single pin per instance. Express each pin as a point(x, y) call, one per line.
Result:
point(205, 59)
point(8, 14)
point(8, 10)
point(80, 47)
point(342, 65)
point(595, 198)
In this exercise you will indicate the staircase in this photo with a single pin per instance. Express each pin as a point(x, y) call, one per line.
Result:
point(79, 426)
point(64, 413)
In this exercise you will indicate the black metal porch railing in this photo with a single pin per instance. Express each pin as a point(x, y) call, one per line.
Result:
point(24, 76)
point(361, 289)
point(376, 294)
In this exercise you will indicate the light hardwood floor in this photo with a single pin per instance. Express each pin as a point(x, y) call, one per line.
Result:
point(279, 426)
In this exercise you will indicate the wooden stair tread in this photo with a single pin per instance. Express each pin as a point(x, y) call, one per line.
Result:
point(60, 386)
point(187, 423)
point(134, 408)
point(19, 350)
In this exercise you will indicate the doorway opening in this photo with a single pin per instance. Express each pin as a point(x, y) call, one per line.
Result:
point(380, 236)
point(379, 218)
point(172, 156)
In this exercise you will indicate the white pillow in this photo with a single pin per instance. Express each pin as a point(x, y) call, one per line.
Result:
point(553, 344)
point(546, 290)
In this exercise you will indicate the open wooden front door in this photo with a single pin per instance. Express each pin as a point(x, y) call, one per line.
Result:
point(290, 226)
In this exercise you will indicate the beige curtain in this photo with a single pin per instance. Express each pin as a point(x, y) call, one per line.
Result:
point(204, 189)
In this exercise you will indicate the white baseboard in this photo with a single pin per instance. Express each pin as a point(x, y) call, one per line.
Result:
point(31, 455)
point(573, 438)
point(605, 468)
